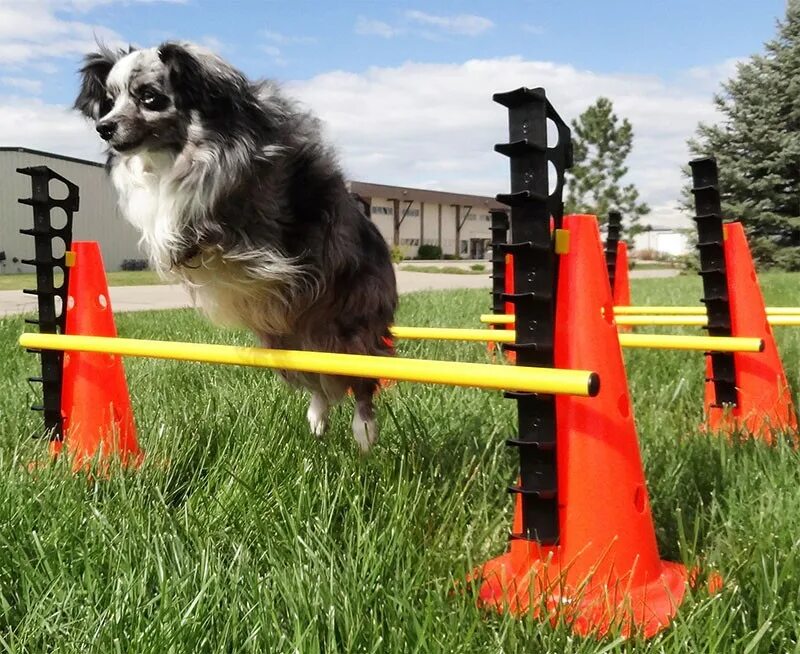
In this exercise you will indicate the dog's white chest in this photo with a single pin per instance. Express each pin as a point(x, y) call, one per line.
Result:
point(149, 203)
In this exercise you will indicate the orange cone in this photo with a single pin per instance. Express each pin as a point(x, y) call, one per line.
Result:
point(764, 404)
point(98, 419)
point(605, 570)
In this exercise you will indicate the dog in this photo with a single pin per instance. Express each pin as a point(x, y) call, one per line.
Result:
point(236, 194)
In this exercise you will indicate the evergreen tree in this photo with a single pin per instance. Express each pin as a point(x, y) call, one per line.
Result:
point(757, 146)
point(601, 144)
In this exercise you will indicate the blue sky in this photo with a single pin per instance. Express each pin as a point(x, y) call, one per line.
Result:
point(405, 87)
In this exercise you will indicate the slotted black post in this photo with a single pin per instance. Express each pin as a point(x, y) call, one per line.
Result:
point(535, 278)
point(612, 243)
point(50, 319)
point(705, 187)
point(499, 239)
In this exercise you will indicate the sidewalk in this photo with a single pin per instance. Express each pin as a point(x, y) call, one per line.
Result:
point(148, 298)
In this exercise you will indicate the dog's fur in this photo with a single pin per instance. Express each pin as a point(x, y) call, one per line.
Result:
point(236, 195)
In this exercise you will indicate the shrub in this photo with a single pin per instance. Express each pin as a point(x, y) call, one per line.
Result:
point(397, 254)
point(429, 252)
point(479, 267)
point(134, 264)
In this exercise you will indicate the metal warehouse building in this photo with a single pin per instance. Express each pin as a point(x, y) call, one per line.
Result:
point(97, 220)
point(407, 217)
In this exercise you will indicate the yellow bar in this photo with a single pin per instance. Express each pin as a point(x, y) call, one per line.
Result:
point(640, 320)
point(694, 311)
point(451, 373)
point(659, 341)
point(498, 318)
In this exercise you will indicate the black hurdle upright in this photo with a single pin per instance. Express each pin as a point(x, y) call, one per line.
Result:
point(534, 296)
point(708, 210)
point(50, 319)
point(499, 230)
point(612, 243)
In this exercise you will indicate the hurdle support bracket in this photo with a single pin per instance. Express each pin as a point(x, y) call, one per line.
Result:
point(612, 242)
point(50, 319)
point(713, 271)
point(535, 267)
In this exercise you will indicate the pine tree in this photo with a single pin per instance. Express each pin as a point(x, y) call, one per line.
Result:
point(601, 144)
point(757, 146)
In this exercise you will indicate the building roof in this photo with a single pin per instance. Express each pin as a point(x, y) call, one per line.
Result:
point(368, 190)
point(8, 148)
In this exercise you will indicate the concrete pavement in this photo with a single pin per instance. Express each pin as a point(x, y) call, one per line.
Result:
point(147, 298)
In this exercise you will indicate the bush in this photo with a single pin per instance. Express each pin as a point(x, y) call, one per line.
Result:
point(429, 252)
point(397, 254)
point(478, 267)
point(134, 264)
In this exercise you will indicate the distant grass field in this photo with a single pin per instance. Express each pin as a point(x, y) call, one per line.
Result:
point(116, 278)
point(241, 533)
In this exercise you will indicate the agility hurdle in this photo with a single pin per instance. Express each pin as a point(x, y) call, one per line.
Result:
point(449, 373)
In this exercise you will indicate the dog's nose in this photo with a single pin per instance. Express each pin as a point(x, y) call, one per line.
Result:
point(106, 129)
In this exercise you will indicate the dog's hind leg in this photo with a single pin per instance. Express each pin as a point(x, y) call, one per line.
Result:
point(326, 392)
point(365, 427)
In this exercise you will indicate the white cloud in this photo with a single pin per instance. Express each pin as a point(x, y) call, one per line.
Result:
point(370, 27)
point(33, 86)
point(286, 39)
point(35, 124)
point(33, 31)
point(435, 125)
point(275, 53)
point(464, 24)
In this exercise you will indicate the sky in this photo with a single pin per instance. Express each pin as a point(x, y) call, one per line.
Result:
point(404, 88)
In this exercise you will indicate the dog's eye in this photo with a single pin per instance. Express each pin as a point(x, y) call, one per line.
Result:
point(106, 105)
point(152, 100)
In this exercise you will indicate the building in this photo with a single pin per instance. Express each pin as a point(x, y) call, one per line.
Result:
point(663, 239)
point(407, 217)
point(97, 220)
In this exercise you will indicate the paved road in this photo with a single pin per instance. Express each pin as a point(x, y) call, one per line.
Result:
point(145, 298)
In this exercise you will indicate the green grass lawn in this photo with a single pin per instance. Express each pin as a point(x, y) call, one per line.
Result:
point(116, 278)
point(241, 533)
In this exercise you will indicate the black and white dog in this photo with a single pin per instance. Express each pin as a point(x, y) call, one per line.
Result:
point(236, 195)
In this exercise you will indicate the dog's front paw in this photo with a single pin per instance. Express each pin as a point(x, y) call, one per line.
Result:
point(365, 431)
point(318, 416)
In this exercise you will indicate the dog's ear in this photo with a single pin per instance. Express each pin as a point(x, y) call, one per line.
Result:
point(95, 70)
point(201, 80)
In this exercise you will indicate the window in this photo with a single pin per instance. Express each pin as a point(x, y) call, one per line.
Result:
point(382, 211)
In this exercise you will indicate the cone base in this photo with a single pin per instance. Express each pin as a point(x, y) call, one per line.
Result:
point(759, 426)
point(591, 608)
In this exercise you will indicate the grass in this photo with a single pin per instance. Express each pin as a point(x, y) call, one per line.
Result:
point(116, 278)
point(448, 270)
point(243, 534)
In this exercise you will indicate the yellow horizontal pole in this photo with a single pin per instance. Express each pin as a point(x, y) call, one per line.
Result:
point(695, 321)
point(692, 311)
point(451, 373)
point(657, 320)
point(658, 341)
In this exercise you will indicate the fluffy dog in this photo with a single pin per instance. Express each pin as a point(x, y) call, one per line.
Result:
point(236, 194)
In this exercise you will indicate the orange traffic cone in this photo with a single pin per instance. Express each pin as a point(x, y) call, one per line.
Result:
point(98, 419)
point(764, 403)
point(605, 570)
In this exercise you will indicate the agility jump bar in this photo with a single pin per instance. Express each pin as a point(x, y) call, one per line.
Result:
point(551, 381)
point(642, 320)
point(691, 311)
point(654, 341)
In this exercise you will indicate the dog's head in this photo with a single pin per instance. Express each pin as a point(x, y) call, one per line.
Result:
point(147, 99)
